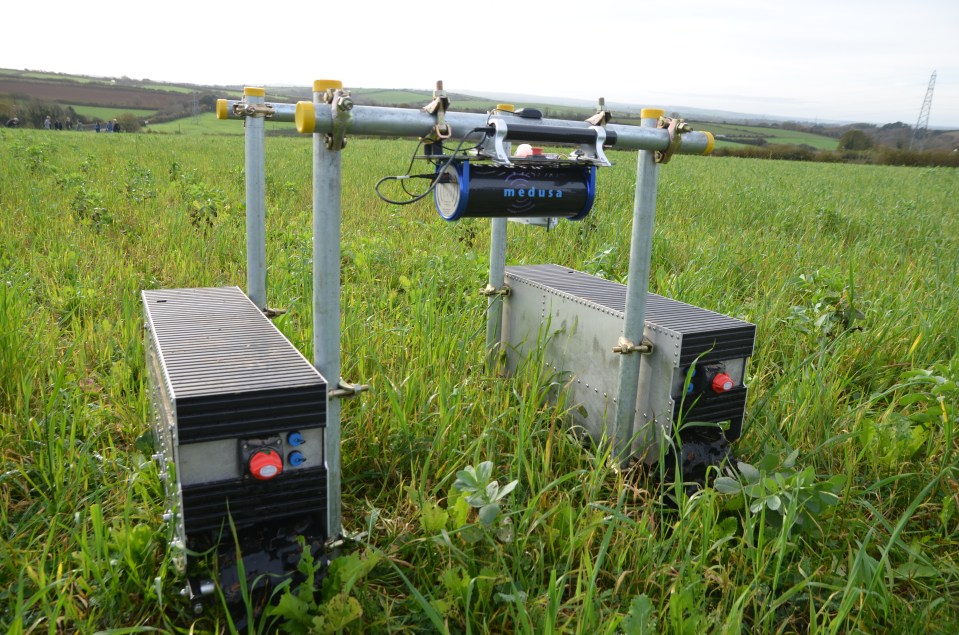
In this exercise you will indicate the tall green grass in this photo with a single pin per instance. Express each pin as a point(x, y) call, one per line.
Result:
point(849, 272)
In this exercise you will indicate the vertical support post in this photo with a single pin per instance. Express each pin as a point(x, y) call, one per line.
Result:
point(497, 280)
point(327, 183)
point(640, 253)
point(255, 201)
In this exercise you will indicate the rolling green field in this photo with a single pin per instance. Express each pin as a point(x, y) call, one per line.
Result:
point(206, 124)
point(103, 113)
point(85, 79)
point(203, 124)
point(845, 520)
point(771, 135)
point(9, 72)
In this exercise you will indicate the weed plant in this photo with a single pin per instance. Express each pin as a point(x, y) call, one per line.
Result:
point(841, 517)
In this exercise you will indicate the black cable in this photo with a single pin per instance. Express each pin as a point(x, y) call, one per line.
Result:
point(434, 176)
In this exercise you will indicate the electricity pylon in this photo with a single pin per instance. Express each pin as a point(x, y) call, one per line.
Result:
point(922, 124)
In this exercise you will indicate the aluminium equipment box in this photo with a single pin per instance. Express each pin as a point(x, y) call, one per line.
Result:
point(239, 424)
point(577, 318)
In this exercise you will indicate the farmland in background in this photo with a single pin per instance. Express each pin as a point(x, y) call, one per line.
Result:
point(8, 74)
point(175, 104)
point(732, 135)
point(848, 520)
point(103, 113)
point(206, 124)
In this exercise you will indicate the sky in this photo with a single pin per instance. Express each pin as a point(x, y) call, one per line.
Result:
point(839, 60)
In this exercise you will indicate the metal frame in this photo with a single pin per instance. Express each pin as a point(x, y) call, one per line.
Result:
point(327, 184)
point(255, 169)
point(381, 121)
point(640, 253)
point(332, 115)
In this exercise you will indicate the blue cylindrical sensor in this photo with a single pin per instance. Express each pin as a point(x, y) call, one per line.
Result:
point(489, 191)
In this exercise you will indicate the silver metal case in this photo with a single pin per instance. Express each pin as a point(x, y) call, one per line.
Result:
point(578, 318)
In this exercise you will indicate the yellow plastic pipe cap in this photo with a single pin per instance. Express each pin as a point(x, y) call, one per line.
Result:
point(250, 91)
point(222, 111)
point(322, 85)
point(651, 113)
point(305, 117)
point(710, 144)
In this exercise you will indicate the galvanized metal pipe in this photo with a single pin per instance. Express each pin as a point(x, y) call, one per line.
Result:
point(379, 121)
point(637, 286)
point(497, 280)
point(327, 184)
point(239, 109)
point(255, 202)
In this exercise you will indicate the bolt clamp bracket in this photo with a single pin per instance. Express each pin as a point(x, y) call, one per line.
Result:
point(625, 347)
point(341, 105)
point(676, 128)
point(438, 107)
point(489, 291)
point(602, 116)
point(243, 109)
point(272, 313)
point(345, 390)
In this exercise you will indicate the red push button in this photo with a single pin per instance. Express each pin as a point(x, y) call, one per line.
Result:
point(266, 464)
point(722, 383)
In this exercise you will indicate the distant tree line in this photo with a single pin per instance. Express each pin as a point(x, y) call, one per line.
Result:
point(32, 112)
point(873, 155)
point(205, 103)
point(857, 143)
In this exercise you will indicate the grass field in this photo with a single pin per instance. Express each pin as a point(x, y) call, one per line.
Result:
point(771, 135)
point(203, 124)
point(848, 522)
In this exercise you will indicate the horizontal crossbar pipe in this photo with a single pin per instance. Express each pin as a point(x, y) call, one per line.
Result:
point(381, 121)
point(226, 109)
point(555, 134)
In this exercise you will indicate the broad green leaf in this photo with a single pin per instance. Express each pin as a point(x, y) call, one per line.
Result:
point(347, 570)
point(908, 400)
point(472, 534)
point(477, 500)
point(506, 489)
point(505, 532)
point(773, 502)
point(456, 581)
point(442, 606)
point(460, 512)
point(294, 611)
point(727, 485)
point(911, 570)
point(340, 611)
point(488, 514)
point(791, 459)
point(433, 518)
point(638, 621)
point(749, 473)
point(948, 511)
point(466, 480)
point(484, 471)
